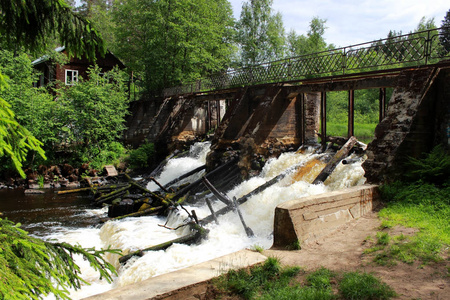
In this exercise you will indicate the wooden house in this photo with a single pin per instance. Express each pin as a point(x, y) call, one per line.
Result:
point(70, 72)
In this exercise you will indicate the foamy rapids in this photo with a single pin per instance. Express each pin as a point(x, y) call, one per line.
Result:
point(229, 236)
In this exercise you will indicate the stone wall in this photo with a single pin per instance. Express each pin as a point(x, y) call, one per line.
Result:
point(409, 126)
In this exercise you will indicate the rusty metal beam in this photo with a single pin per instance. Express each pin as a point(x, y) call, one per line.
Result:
point(323, 117)
point(382, 104)
point(351, 113)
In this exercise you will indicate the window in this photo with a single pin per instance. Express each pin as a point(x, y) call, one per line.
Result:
point(71, 77)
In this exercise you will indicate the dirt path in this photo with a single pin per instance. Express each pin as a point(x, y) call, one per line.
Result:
point(343, 249)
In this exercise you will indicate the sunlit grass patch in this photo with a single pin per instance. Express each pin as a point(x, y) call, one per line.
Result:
point(270, 281)
point(414, 205)
point(363, 286)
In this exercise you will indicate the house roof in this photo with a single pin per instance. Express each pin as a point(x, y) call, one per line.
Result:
point(46, 57)
point(61, 49)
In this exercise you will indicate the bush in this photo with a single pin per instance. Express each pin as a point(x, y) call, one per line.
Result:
point(112, 155)
point(433, 167)
point(142, 157)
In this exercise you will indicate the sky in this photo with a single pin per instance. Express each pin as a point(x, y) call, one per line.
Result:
point(352, 22)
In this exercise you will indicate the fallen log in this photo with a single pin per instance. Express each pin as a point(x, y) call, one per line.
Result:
point(184, 190)
point(248, 230)
point(112, 195)
point(185, 175)
point(244, 198)
point(223, 198)
point(159, 184)
point(331, 165)
point(191, 238)
point(145, 212)
point(137, 185)
point(213, 214)
point(228, 202)
point(86, 189)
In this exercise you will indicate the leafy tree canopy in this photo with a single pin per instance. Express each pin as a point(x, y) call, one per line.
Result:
point(174, 42)
point(313, 42)
point(260, 33)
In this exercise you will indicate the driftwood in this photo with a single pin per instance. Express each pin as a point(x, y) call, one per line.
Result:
point(159, 184)
point(248, 230)
point(184, 190)
point(213, 214)
point(231, 203)
point(193, 237)
point(112, 195)
point(86, 189)
point(196, 170)
point(93, 189)
point(145, 212)
point(244, 198)
point(331, 165)
point(216, 193)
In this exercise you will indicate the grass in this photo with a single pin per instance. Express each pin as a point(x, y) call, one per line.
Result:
point(419, 205)
point(271, 281)
point(363, 286)
point(363, 132)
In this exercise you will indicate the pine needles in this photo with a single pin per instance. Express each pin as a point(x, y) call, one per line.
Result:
point(31, 268)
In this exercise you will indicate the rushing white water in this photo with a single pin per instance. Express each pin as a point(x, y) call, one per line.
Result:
point(229, 236)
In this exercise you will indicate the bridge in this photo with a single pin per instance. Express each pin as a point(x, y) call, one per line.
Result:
point(282, 104)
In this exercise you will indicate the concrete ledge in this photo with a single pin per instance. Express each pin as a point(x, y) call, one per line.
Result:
point(163, 286)
point(311, 217)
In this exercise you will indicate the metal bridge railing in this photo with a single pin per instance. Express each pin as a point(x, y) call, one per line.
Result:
point(420, 48)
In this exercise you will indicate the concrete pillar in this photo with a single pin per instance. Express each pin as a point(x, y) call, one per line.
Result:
point(312, 117)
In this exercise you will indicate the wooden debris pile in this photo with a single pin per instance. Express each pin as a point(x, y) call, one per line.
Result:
point(130, 198)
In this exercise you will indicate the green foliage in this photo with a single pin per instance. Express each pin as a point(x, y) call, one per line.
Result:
point(15, 140)
point(289, 293)
point(32, 23)
point(32, 268)
point(365, 113)
point(87, 119)
point(174, 42)
point(35, 108)
point(363, 286)
point(112, 154)
point(248, 283)
point(143, 156)
point(416, 205)
point(433, 167)
point(94, 113)
point(313, 42)
point(260, 33)
point(294, 246)
point(99, 12)
point(258, 248)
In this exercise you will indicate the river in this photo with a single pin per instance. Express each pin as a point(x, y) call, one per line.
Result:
point(69, 218)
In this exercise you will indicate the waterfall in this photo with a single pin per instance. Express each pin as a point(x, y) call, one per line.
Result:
point(228, 236)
